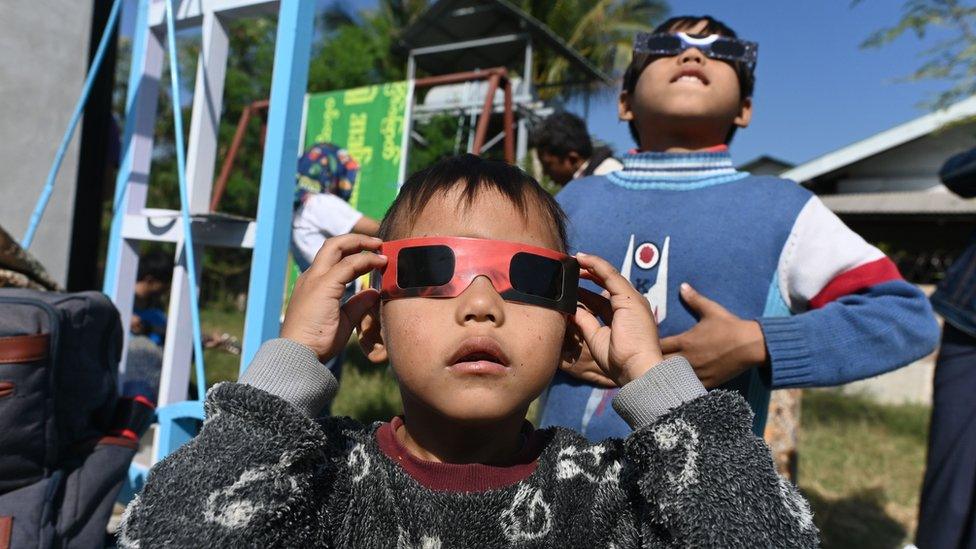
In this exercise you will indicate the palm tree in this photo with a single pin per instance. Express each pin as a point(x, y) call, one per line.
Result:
point(602, 31)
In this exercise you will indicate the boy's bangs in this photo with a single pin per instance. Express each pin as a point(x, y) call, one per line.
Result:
point(685, 22)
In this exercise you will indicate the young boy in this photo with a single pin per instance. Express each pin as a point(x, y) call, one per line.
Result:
point(477, 307)
point(566, 152)
point(799, 299)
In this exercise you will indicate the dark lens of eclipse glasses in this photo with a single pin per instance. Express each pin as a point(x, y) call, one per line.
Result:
point(663, 43)
point(728, 48)
point(536, 275)
point(425, 266)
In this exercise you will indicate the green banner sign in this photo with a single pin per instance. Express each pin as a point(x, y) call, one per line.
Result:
point(369, 123)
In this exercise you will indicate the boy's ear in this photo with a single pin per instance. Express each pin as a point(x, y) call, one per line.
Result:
point(624, 111)
point(572, 346)
point(745, 113)
point(371, 335)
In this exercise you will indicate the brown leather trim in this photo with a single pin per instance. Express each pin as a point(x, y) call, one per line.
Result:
point(25, 348)
point(6, 388)
point(6, 531)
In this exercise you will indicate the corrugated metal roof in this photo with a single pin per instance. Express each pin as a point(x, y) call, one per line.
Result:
point(449, 21)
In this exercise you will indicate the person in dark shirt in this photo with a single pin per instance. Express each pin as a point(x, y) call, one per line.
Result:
point(947, 515)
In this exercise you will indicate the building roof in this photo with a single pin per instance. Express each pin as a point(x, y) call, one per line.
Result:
point(888, 139)
point(767, 164)
point(451, 21)
point(936, 202)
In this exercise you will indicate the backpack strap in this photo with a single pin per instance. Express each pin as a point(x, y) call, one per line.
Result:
point(24, 348)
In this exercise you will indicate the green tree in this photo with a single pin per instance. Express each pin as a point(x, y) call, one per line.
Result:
point(602, 31)
point(951, 58)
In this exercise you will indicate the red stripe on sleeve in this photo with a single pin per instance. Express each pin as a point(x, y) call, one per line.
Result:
point(855, 280)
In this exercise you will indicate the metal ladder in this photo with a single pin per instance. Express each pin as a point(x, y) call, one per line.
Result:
point(268, 234)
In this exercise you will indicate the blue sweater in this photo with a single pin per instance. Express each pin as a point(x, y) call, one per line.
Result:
point(833, 308)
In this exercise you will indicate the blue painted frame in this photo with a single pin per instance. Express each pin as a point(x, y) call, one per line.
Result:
point(269, 260)
point(115, 240)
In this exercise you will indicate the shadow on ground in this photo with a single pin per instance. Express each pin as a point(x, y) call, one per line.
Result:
point(858, 520)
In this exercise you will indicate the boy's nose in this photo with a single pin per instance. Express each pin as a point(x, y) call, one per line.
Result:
point(691, 55)
point(480, 303)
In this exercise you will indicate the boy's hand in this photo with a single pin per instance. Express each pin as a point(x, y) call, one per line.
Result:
point(586, 369)
point(626, 347)
point(721, 346)
point(314, 317)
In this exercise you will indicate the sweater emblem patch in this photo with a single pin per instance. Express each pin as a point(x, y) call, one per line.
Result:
point(679, 435)
point(358, 462)
point(405, 541)
point(262, 489)
point(588, 463)
point(529, 517)
point(647, 256)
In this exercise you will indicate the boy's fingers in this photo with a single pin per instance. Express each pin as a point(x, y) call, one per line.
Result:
point(699, 303)
point(338, 247)
point(594, 378)
point(588, 326)
point(359, 304)
point(352, 267)
point(670, 345)
point(604, 274)
point(597, 304)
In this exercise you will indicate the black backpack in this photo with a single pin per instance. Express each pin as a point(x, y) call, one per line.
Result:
point(66, 437)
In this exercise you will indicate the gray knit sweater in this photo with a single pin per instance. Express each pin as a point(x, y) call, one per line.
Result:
point(263, 473)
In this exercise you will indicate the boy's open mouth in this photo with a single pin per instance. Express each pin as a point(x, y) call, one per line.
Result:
point(479, 355)
point(690, 75)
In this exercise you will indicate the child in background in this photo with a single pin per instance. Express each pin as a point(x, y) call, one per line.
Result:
point(794, 297)
point(477, 307)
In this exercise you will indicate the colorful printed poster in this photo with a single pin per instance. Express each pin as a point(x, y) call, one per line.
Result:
point(369, 123)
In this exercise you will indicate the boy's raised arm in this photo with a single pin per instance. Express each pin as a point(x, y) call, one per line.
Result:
point(703, 476)
point(857, 317)
point(257, 473)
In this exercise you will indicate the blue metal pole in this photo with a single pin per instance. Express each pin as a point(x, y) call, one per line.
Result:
point(125, 164)
point(35, 218)
point(188, 252)
point(288, 82)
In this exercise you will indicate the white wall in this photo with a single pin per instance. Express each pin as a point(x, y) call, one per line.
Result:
point(45, 53)
point(913, 166)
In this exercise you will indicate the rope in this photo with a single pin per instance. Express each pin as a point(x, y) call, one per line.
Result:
point(191, 271)
point(35, 218)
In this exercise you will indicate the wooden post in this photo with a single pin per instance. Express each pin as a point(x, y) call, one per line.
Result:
point(782, 430)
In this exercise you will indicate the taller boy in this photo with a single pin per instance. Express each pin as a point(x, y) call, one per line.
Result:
point(799, 299)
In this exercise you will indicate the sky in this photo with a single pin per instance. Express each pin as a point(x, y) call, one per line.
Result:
point(817, 90)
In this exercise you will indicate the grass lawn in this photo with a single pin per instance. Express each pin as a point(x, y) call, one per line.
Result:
point(861, 466)
point(861, 463)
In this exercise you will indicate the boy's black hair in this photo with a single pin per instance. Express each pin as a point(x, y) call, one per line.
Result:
point(474, 175)
point(562, 133)
point(156, 264)
point(747, 78)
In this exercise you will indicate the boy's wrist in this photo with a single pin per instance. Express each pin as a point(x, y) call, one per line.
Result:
point(663, 387)
point(754, 343)
point(291, 371)
point(642, 365)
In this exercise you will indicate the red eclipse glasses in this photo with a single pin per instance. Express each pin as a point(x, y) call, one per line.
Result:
point(445, 267)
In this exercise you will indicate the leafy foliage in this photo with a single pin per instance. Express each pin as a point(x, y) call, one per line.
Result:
point(602, 31)
point(952, 57)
